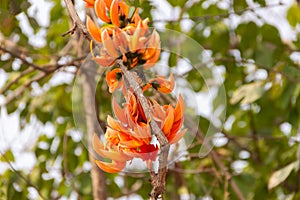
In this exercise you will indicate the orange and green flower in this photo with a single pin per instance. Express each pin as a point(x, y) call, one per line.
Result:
point(128, 134)
point(123, 37)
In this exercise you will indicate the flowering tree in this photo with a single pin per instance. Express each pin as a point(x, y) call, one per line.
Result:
point(97, 104)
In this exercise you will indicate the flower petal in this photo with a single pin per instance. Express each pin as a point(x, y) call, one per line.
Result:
point(114, 13)
point(179, 109)
point(93, 29)
point(100, 10)
point(111, 154)
point(176, 137)
point(112, 167)
point(118, 111)
point(109, 44)
point(168, 123)
point(105, 61)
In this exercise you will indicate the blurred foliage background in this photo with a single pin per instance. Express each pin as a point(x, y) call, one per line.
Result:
point(252, 44)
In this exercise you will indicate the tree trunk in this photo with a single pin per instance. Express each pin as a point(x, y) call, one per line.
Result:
point(88, 72)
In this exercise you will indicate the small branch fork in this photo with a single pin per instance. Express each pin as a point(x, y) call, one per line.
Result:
point(77, 23)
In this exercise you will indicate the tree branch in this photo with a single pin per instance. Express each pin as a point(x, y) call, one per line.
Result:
point(28, 182)
point(77, 21)
point(23, 59)
point(222, 167)
point(158, 180)
point(50, 68)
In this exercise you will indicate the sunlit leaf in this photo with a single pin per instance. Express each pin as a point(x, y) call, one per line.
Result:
point(8, 156)
point(293, 15)
point(281, 175)
point(248, 93)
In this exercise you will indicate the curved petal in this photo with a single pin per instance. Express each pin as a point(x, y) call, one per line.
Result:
point(100, 10)
point(176, 137)
point(179, 109)
point(109, 44)
point(151, 61)
point(93, 29)
point(131, 143)
point(120, 40)
point(105, 61)
point(114, 13)
point(114, 79)
point(112, 167)
point(168, 123)
point(108, 3)
point(124, 8)
point(115, 124)
point(111, 154)
point(118, 111)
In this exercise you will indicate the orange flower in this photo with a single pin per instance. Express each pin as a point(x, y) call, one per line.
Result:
point(161, 84)
point(129, 39)
point(127, 137)
point(170, 119)
point(114, 79)
point(118, 159)
point(113, 11)
point(133, 49)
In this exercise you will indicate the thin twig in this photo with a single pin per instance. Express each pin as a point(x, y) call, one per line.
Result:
point(22, 89)
point(28, 182)
point(223, 168)
point(50, 69)
point(71, 31)
point(16, 80)
point(77, 21)
point(23, 59)
point(254, 134)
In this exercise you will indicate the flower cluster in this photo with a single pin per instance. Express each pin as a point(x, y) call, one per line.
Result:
point(128, 38)
point(129, 134)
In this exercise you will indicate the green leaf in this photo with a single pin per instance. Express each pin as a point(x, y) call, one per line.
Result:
point(248, 39)
point(248, 93)
point(261, 2)
point(264, 55)
point(175, 3)
point(291, 72)
point(293, 15)
point(219, 38)
point(196, 9)
point(270, 34)
point(281, 175)
point(8, 22)
point(8, 156)
point(11, 107)
point(172, 59)
point(239, 5)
